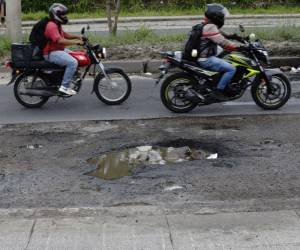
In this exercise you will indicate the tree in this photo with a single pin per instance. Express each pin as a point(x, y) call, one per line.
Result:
point(112, 12)
point(13, 18)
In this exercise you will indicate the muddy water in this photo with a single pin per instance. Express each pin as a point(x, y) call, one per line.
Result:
point(117, 164)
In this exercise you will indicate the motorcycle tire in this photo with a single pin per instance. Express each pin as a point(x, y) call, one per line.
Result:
point(280, 85)
point(26, 100)
point(183, 79)
point(104, 87)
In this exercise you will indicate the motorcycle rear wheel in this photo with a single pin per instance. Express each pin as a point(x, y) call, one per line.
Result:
point(28, 101)
point(274, 98)
point(173, 90)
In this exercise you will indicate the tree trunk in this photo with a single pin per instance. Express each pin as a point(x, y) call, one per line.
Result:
point(112, 12)
point(109, 15)
point(13, 18)
point(116, 16)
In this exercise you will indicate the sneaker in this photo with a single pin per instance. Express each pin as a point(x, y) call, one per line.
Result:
point(67, 91)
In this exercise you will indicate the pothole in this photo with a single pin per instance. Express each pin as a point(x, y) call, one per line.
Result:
point(117, 164)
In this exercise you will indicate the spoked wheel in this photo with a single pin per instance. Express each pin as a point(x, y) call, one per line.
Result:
point(116, 89)
point(173, 91)
point(26, 82)
point(274, 96)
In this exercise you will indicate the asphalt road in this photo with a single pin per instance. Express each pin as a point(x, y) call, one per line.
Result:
point(143, 103)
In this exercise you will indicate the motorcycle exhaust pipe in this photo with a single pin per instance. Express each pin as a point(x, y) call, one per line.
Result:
point(37, 92)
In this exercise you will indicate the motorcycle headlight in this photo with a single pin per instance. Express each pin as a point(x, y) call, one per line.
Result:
point(263, 55)
point(102, 54)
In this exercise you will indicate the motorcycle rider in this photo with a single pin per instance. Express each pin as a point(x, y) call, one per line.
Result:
point(55, 51)
point(212, 37)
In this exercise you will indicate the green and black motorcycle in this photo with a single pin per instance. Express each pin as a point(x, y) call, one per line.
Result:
point(270, 88)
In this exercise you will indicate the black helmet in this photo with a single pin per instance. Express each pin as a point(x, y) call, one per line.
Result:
point(58, 12)
point(216, 13)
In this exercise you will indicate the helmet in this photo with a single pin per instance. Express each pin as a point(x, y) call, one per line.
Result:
point(58, 13)
point(216, 13)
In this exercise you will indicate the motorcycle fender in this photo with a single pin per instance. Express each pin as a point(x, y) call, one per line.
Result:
point(271, 72)
point(12, 80)
point(14, 77)
point(161, 78)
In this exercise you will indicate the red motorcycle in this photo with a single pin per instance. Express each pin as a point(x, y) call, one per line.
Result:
point(36, 80)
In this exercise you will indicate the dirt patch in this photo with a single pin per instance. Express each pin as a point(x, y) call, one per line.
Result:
point(147, 51)
point(150, 51)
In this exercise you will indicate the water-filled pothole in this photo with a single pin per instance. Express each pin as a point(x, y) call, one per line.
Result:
point(117, 164)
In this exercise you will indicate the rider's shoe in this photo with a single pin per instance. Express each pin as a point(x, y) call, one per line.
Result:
point(67, 91)
point(218, 95)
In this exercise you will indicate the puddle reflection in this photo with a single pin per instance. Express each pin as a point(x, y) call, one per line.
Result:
point(115, 165)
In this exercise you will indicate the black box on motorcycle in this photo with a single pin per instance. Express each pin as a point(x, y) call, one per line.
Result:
point(21, 54)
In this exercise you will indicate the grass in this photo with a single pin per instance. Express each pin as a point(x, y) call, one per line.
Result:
point(279, 34)
point(140, 36)
point(145, 36)
point(172, 11)
point(4, 46)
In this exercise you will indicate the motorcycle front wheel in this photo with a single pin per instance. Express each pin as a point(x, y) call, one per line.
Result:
point(115, 89)
point(274, 96)
point(25, 82)
point(173, 91)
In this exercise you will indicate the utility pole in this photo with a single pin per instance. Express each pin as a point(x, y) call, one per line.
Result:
point(13, 20)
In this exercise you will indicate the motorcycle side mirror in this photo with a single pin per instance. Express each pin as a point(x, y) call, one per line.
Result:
point(242, 29)
point(82, 31)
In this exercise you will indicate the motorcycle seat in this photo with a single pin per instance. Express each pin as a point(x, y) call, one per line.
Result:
point(190, 63)
point(36, 64)
point(43, 65)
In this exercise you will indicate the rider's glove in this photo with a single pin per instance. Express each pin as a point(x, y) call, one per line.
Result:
point(243, 48)
point(235, 37)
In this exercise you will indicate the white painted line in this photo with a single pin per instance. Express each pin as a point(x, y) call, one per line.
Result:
point(238, 103)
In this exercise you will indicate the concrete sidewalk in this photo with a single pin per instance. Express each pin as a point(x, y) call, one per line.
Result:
point(144, 228)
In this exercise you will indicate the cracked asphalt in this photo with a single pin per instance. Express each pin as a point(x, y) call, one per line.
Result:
point(258, 169)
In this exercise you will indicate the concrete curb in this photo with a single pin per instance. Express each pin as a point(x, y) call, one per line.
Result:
point(137, 66)
point(167, 18)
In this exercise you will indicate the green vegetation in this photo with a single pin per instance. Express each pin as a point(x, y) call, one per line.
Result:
point(279, 34)
point(140, 36)
point(145, 36)
point(4, 46)
point(157, 5)
point(172, 11)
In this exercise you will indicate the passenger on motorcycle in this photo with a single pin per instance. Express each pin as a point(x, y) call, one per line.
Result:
point(211, 38)
point(55, 51)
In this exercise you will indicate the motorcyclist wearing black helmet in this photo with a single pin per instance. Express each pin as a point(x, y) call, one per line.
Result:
point(55, 51)
point(215, 15)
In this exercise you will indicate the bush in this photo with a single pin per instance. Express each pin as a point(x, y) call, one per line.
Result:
point(73, 5)
point(91, 5)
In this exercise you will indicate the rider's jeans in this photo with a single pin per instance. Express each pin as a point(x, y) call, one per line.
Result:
point(216, 64)
point(63, 59)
